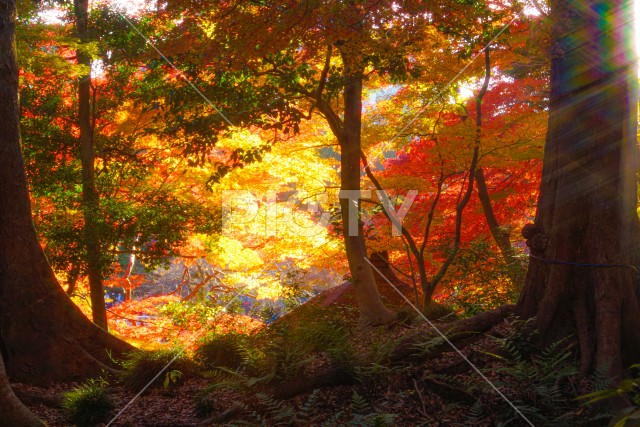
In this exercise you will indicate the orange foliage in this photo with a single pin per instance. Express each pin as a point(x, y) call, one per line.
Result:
point(143, 323)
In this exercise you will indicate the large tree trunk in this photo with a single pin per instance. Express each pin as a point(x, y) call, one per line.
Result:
point(43, 336)
point(90, 198)
point(372, 310)
point(12, 411)
point(587, 206)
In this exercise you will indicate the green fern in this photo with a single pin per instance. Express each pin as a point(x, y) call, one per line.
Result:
point(359, 404)
point(304, 415)
point(373, 420)
point(274, 409)
point(255, 360)
point(423, 348)
point(363, 414)
point(629, 388)
point(374, 373)
point(542, 377)
point(521, 338)
point(334, 420)
point(476, 414)
point(225, 378)
point(382, 347)
point(601, 379)
point(267, 411)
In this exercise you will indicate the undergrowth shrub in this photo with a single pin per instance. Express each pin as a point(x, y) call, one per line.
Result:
point(436, 311)
point(264, 358)
point(319, 332)
point(206, 404)
point(363, 414)
point(629, 390)
point(323, 332)
point(88, 404)
point(479, 279)
point(315, 328)
point(184, 313)
point(521, 338)
point(140, 367)
point(545, 380)
point(424, 347)
point(284, 351)
point(221, 350)
point(372, 367)
point(287, 357)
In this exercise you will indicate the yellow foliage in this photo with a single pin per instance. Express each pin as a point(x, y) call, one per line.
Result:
point(231, 254)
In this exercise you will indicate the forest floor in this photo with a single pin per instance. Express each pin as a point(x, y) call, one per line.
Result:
point(430, 385)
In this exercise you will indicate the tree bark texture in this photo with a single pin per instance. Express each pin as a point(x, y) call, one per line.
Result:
point(43, 336)
point(586, 226)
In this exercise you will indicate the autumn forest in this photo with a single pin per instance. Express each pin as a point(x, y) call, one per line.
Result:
point(319, 213)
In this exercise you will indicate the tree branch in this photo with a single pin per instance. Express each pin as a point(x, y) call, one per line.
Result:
point(472, 171)
point(324, 73)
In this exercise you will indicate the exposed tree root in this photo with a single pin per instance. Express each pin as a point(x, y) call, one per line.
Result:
point(31, 398)
point(449, 392)
point(13, 412)
point(329, 377)
point(223, 417)
point(462, 332)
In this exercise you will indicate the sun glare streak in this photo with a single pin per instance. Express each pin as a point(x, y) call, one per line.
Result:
point(132, 7)
point(636, 26)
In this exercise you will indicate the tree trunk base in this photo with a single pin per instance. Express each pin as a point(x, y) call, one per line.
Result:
point(12, 412)
point(48, 339)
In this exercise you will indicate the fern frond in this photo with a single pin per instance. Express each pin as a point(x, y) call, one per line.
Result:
point(333, 421)
point(275, 409)
point(476, 413)
point(304, 415)
point(359, 404)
